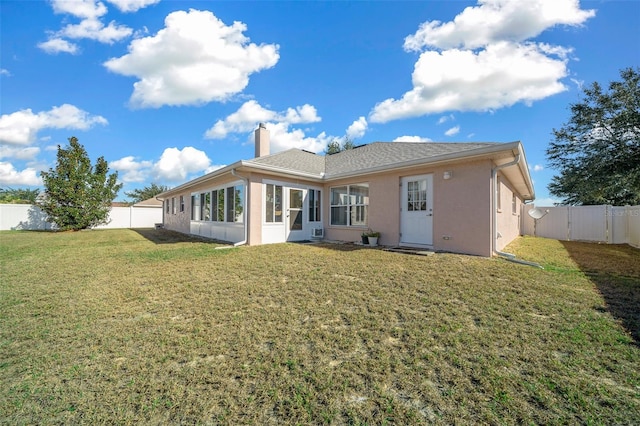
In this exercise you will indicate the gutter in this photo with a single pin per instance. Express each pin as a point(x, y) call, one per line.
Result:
point(244, 213)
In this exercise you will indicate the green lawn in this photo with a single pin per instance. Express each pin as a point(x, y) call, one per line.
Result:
point(126, 327)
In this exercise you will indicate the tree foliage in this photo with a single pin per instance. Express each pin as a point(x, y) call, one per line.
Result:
point(597, 152)
point(147, 192)
point(335, 146)
point(77, 194)
point(18, 196)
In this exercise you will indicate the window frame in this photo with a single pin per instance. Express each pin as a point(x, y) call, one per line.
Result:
point(181, 203)
point(358, 208)
point(275, 218)
point(314, 207)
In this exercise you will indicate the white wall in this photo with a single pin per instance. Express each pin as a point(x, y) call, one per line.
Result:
point(27, 216)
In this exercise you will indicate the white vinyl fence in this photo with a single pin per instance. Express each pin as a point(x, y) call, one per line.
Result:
point(603, 224)
point(30, 217)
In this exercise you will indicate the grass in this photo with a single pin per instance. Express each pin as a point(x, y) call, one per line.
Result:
point(148, 327)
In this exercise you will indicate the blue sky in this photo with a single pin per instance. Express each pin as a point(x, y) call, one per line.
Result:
point(169, 90)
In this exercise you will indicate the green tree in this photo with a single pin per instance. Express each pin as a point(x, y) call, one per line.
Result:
point(18, 196)
point(147, 192)
point(335, 146)
point(78, 195)
point(597, 152)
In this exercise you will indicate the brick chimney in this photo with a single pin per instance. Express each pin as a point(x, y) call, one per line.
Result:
point(262, 140)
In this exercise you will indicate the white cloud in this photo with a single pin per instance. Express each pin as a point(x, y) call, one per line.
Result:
point(497, 20)
point(483, 59)
point(90, 26)
point(5, 72)
point(537, 167)
point(132, 5)
point(195, 59)
point(94, 29)
point(412, 139)
point(21, 127)
point(131, 170)
point(445, 118)
point(175, 165)
point(10, 176)
point(19, 153)
point(452, 131)
point(85, 9)
point(247, 117)
point(58, 45)
point(357, 129)
point(462, 80)
point(283, 138)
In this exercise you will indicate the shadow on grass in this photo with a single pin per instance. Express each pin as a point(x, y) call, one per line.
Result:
point(615, 270)
point(164, 236)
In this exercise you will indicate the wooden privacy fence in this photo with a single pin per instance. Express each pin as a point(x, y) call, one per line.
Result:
point(30, 217)
point(603, 224)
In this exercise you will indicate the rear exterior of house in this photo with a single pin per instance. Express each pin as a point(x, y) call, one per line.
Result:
point(458, 197)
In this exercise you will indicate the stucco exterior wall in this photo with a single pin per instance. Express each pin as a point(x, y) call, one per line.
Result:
point(179, 221)
point(508, 220)
point(461, 207)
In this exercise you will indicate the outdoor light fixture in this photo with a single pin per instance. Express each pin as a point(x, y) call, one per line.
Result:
point(447, 175)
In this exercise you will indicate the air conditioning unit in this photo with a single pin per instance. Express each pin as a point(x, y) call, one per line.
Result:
point(317, 233)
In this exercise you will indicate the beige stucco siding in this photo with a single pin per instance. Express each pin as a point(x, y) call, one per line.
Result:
point(508, 218)
point(180, 220)
point(461, 207)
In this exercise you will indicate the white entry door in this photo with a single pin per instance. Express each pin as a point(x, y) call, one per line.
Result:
point(416, 215)
point(294, 224)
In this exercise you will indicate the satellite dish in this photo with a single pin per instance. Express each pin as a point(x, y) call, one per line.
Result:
point(537, 213)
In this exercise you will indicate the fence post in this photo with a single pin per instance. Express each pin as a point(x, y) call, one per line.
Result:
point(608, 217)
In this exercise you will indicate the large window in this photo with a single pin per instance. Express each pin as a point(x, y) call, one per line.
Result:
point(350, 204)
point(235, 203)
point(205, 206)
point(273, 203)
point(195, 207)
point(314, 205)
point(217, 198)
point(210, 205)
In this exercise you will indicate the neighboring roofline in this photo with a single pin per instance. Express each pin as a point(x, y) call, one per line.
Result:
point(471, 154)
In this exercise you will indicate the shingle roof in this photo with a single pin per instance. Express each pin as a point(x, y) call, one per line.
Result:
point(383, 154)
point(294, 160)
point(373, 156)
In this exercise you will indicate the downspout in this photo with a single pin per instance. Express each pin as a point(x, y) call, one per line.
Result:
point(246, 199)
point(494, 173)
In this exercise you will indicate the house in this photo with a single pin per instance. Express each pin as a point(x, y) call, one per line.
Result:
point(458, 197)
